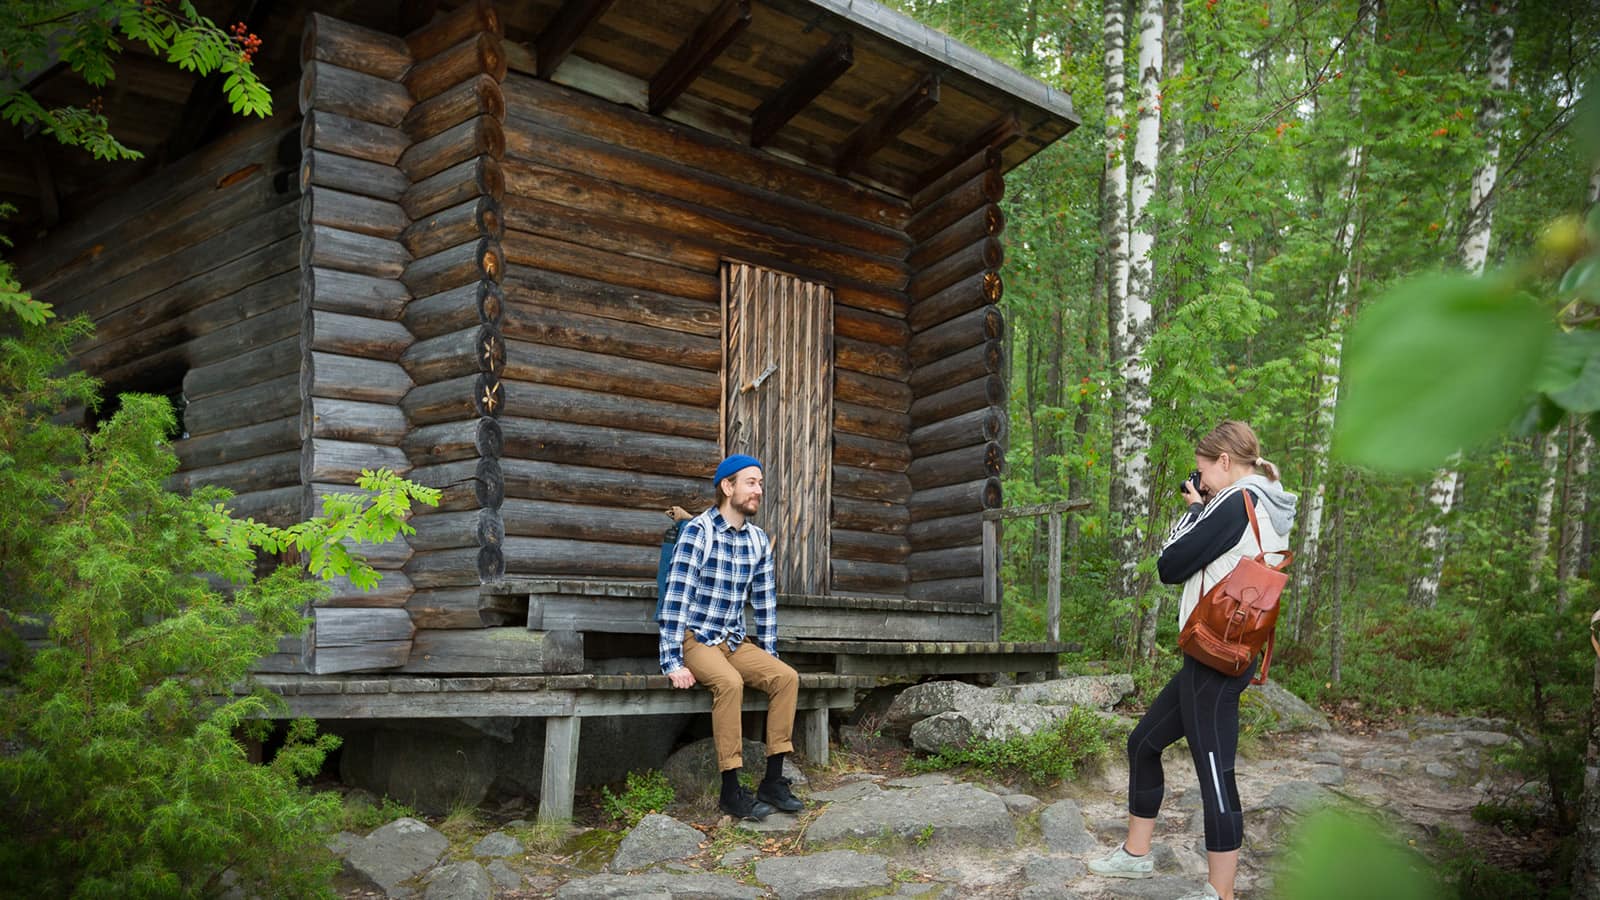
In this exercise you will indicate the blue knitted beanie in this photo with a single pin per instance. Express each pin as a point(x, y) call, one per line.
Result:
point(733, 464)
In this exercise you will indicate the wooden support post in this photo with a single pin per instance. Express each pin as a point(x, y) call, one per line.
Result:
point(1053, 605)
point(560, 777)
point(814, 735)
point(715, 32)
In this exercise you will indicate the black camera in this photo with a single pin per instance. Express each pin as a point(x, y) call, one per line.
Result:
point(1194, 479)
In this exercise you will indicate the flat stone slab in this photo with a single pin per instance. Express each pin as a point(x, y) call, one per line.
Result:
point(819, 876)
point(1064, 828)
point(1161, 887)
point(459, 881)
point(497, 844)
point(849, 791)
point(395, 852)
point(956, 813)
point(655, 839)
point(1297, 796)
point(657, 886)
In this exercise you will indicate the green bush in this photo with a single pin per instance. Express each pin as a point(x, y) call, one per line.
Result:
point(645, 793)
point(1043, 758)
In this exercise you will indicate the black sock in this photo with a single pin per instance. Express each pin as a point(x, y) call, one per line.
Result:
point(730, 783)
point(775, 767)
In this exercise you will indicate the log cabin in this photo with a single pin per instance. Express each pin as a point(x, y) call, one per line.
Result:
point(555, 258)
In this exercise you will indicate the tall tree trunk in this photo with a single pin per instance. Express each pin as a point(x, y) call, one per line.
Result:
point(1113, 214)
point(1474, 253)
point(1176, 146)
point(1550, 450)
point(1339, 568)
point(1133, 457)
point(1574, 508)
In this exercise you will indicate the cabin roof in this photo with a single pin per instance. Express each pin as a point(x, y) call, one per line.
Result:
point(845, 86)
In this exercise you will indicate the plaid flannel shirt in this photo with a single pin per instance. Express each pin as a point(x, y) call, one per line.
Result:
point(709, 599)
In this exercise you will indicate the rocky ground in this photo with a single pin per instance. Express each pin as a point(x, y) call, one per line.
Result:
point(873, 830)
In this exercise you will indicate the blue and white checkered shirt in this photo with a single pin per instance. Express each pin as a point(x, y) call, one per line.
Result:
point(708, 598)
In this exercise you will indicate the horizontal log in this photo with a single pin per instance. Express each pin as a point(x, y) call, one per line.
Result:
point(240, 323)
point(481, 260)
point(963, 530)
point(457, 567)
point(332, 332)
point(481, 136)
point(983, 223)
point(613, 374)
point(954, 499)
point(467, 484)
point(478, 54)
point(257, 473)
point(983, 256)
point(884, 361)
point(346, 92)
point(453, 607)
point(331, 248)
point(980, 162)
point(353, 213)
point(450, 441)
point(262, 402)
point(480, 177)
point(869, 515)
point(584, 522)
point(851, 418)
point(590, 559)
point(870, 453)
point(467, 397)
point(278, 506)
point(343, 377)
point(235, 444)
point(963, 398)
point(850, 576)
point(319, 168)
point(472, 350)
point(353, 420)
point(950, 590)
point(955, 466)
point(976, 427)
point(357, 640)
point(868, 546)
point(594, 334)
point(870, 484)
point(464, 21)
point(870, 299)
point(613, 448)
point(586, 484)
point(477, 96)
point(452, 530)
point(571, 293)
point(475, 219)
point(870, 327)
point(268, 361)
point(457, 309)
point(331, 40)
point(486, 651)
point(651, 245)
point(354, 294)
point(962, 366)
point(391, 592)
point(581, 407)
point(552, 255)
point(984, 188)
point(341, 462)
point(867, 390)
point(333, 133)
point(979, 326)
point(984, 289)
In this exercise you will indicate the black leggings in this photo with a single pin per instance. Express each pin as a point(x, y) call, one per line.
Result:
point(1200, 704)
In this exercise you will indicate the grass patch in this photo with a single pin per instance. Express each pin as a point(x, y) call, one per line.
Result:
point(1044, 758)
point(645, 793)
point(363, 815)
point(542, 836)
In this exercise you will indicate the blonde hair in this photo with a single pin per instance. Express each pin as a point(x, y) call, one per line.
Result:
point(1240, 443)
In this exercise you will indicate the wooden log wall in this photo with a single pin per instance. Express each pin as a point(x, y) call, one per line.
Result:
point(958, 408)
point(616, 226)
point(353, 300)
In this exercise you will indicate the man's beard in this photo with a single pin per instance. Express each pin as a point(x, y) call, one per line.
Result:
point(749, 507)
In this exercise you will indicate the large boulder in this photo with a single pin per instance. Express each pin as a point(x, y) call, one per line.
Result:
point(397, 851)
point(930, 698)
point(459, 881)
point(1093, 691)
point(1284, 711)
point(993, 721)
point(656, 838)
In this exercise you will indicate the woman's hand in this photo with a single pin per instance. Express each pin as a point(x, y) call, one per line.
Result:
point(1191, 495)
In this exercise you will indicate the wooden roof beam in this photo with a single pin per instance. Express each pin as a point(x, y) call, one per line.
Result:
point(997, 135)
point(562, 33)
point(912, 104)
point(798, 92)
point(714, 34)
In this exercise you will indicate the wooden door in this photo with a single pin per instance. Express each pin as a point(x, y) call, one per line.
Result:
point(777, 405)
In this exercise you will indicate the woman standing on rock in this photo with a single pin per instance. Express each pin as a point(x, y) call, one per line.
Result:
point(1200, 703)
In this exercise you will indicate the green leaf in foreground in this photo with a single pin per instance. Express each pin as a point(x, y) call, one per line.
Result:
point(1335, 856)
point(1436, 365)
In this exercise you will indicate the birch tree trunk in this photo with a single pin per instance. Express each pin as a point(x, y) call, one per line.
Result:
point(1474, 253)
point(1113, 213)
point(1574, 508)
point(1551, 452)
point(1133, 456)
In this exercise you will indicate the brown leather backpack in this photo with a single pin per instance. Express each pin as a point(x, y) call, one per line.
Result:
point(1236, 618)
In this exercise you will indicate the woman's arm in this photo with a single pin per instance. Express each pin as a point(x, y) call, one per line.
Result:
point(1191, 550)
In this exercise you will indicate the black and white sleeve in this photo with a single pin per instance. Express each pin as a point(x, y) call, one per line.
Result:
point(1190, 549)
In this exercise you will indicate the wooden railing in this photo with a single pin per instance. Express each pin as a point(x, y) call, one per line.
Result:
point(991, 557)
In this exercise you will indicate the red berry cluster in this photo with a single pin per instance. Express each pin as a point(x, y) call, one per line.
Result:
point(247, 41)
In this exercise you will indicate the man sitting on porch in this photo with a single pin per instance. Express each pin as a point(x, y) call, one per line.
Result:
point(721, 559)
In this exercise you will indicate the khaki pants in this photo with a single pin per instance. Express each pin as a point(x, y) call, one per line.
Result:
point(725, 672)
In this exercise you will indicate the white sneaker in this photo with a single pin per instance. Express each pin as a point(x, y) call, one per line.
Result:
point(1206, 892)
point(1122, 864)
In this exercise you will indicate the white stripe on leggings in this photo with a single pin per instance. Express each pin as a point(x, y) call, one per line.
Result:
point(1222, 805)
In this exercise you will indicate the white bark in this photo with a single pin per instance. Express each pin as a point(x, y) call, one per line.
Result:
point(1575, 509)
point(1113, 210)
point(1133, 460)
point(1474, 254)
point(1541, 515)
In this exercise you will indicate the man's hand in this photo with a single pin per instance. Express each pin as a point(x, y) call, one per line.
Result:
point(681, 678)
